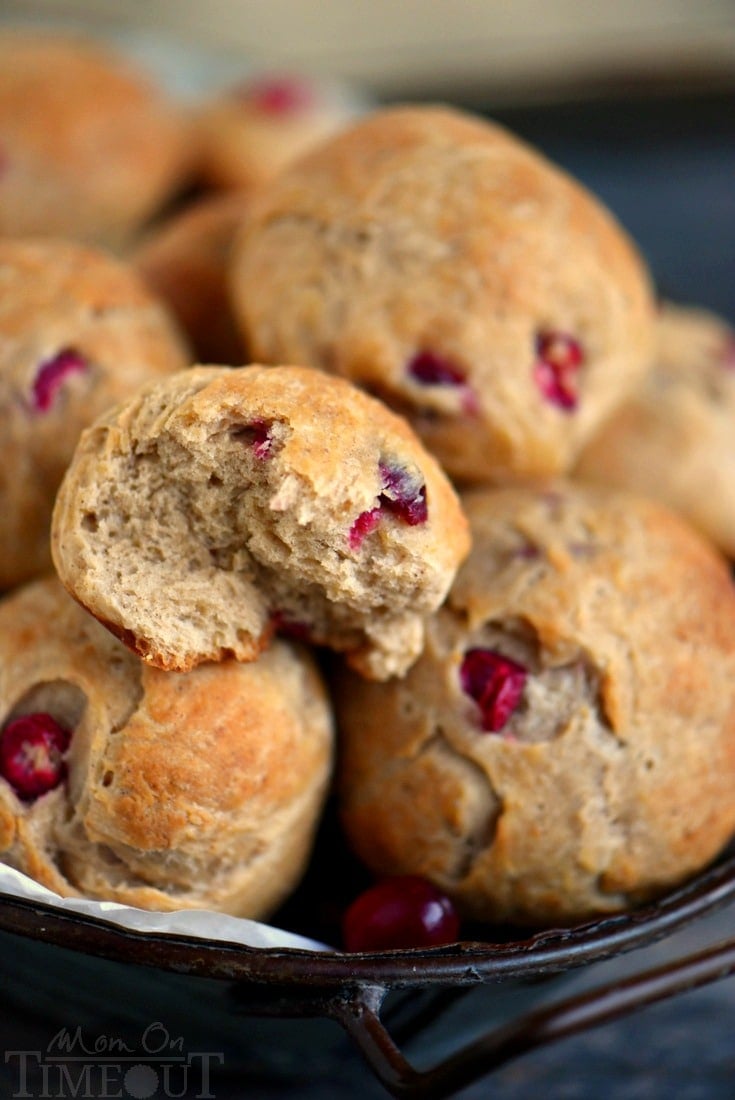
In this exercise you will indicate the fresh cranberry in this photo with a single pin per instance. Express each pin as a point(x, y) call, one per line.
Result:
point(257, 436)
point(279, 95)
point(290, 628)
point(399, 912)
point(526, 551)
point(365, 523)
point(431, 369)
point(434, 370)
point(52, 374)
point(559, 358)
point(32, 754)
point(403, 495)
point(495, 683)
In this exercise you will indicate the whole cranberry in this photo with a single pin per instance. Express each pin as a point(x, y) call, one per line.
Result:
point(495, 683)
point(400, 912)
point(32, 754)
point(431, 369)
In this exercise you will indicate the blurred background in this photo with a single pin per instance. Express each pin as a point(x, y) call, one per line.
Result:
point(522, 50)
point(636, 98)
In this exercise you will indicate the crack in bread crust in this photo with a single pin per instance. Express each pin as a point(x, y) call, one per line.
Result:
point(612, 771)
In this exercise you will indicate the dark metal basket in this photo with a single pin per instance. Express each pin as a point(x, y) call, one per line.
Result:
point(352, 988)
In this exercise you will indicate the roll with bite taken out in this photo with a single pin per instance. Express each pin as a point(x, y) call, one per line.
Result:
point(221, 505)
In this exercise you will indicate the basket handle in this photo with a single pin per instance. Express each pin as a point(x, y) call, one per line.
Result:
point(359, 1015)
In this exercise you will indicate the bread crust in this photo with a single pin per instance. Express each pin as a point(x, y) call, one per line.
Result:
point(673, 438)
point(64, 298)
point(192, 790)
point(192, 540)
point(611, 781)
point(424, 231)
point(69, 170)
point(185, 260)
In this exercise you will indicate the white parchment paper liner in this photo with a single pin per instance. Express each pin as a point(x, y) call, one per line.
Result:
point(199, 923)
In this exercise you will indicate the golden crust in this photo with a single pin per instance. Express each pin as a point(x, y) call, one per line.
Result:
point(612, 779)
point(185, 261)
point(184, 790)
point(673, 438)
point(183, 538)
point(59, 296)
point(424, 230)
point(67, 168)
point(240, 144)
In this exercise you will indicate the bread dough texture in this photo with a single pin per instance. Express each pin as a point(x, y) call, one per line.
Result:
point(251, 131)
point(184, 790)
point(674, 438)
point(437, 261)
point(90, 147)
point(220, 505)
point(185, 260)
point(78, 332)
point(601, 773)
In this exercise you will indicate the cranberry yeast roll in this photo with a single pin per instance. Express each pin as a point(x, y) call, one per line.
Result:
point(78, 332)
point(90, 147)
point(250, 131)
point(439, 262)
point(160, 790)
point(221, 504)
point(565, 746)
point(185, 260)
point(674, 438)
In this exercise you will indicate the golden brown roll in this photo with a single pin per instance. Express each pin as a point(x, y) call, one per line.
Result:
point(89, 146)
point(78, 332)
point(674, 438)
point(433, 258)
point(154, 789)
point(565, 746)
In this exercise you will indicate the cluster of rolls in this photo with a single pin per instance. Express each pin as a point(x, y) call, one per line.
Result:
point(443, 433)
